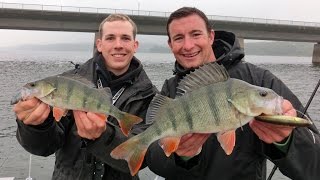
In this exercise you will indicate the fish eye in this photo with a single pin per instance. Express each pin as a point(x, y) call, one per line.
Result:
point(32, 84)
point(263, 93)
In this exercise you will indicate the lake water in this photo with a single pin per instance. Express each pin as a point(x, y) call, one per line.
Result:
point(17, 68)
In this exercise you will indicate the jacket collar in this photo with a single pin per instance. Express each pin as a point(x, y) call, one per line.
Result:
point(108, 79)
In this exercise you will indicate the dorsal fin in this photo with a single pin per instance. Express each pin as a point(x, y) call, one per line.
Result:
point(157, 102)
point(207, 74)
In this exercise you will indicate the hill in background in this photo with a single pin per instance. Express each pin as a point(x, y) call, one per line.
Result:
point(275, 48)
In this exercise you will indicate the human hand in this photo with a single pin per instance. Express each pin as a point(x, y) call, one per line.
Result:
point(191, 144)
point(32, 111)
point(90, 125)
point(271, 133)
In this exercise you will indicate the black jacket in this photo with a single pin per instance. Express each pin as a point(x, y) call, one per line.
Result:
point(248, 159)
point(77, 158)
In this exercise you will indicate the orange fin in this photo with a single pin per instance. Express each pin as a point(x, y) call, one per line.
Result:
point(227, 140)
point(133, 151)
point(127, 122)
point(102, 116)
point(135, 163)
point(58, 113)
point(169, 144)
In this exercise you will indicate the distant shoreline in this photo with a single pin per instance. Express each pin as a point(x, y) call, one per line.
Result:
point(21, 51)
point(274, 48)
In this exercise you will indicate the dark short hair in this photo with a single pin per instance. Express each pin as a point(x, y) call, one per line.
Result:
point(118, 17)
point(184, 12)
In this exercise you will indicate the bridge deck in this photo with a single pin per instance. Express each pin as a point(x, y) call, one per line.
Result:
point(87, 19)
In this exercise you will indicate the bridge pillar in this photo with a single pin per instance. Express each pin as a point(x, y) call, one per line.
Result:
point(96, 36)
point(316, 53)
point(241, 42)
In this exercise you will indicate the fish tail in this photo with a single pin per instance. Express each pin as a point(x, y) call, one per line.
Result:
point(133, 151)
point(127, 122)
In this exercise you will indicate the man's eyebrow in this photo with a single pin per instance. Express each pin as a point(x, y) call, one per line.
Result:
point(126, 35)
point(122, 35)
point(177, 35)
point(196, 30)
point(108, 35)
point(192, 31)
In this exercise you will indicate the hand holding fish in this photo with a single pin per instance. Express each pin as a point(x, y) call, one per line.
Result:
point(90, 125)
point(190, 144)
point(32, 111)
point(271, 133)
point(65, 93)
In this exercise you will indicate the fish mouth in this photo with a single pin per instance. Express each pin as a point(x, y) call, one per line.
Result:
point(16, 98)
point(273, 107)
point(22, 95)
point(278, 106)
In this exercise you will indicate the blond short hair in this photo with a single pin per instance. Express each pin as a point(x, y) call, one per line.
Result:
point(118, 17)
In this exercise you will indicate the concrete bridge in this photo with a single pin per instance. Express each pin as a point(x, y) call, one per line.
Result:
point(87, 19)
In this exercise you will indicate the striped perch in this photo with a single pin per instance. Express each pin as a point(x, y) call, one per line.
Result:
point(208, 101)
point(65, 93)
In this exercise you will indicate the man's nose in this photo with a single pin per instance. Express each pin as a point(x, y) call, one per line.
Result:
point(118, 43)
point(188, 43)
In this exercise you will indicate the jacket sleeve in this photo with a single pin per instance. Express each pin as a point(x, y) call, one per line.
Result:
point(302, 160)
point(44, 139)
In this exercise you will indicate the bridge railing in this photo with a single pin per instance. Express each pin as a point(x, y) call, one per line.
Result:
point(95, 10)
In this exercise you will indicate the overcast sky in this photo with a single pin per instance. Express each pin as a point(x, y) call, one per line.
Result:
point(296, 10)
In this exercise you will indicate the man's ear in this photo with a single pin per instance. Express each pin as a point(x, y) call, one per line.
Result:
point(136, 45)
point(169, 43)
point(98, 44)
point(211, 36)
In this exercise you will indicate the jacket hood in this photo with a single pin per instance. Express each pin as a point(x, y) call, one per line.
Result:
point(109, 79)
point(226, 48)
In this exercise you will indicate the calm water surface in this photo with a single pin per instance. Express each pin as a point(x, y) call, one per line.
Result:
point(20, 67)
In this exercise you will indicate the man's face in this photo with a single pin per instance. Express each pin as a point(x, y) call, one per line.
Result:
point(191, 42)
point(117, 45)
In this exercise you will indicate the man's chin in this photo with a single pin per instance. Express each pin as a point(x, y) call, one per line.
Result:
point(191, 65)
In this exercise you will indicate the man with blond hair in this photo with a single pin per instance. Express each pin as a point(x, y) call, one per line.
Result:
point(82, 141)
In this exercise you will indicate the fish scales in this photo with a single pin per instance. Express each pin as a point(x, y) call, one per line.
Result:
point(210, 96)
point(188, 113)
point(70, 89)
point(210, 111)
point(173, 119)
point(71, 93)
point(198, 111)
point(91, 100)
point(183, 109)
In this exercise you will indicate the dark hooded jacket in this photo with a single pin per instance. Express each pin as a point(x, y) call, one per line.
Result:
point(78, 158)
point(248, 160)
